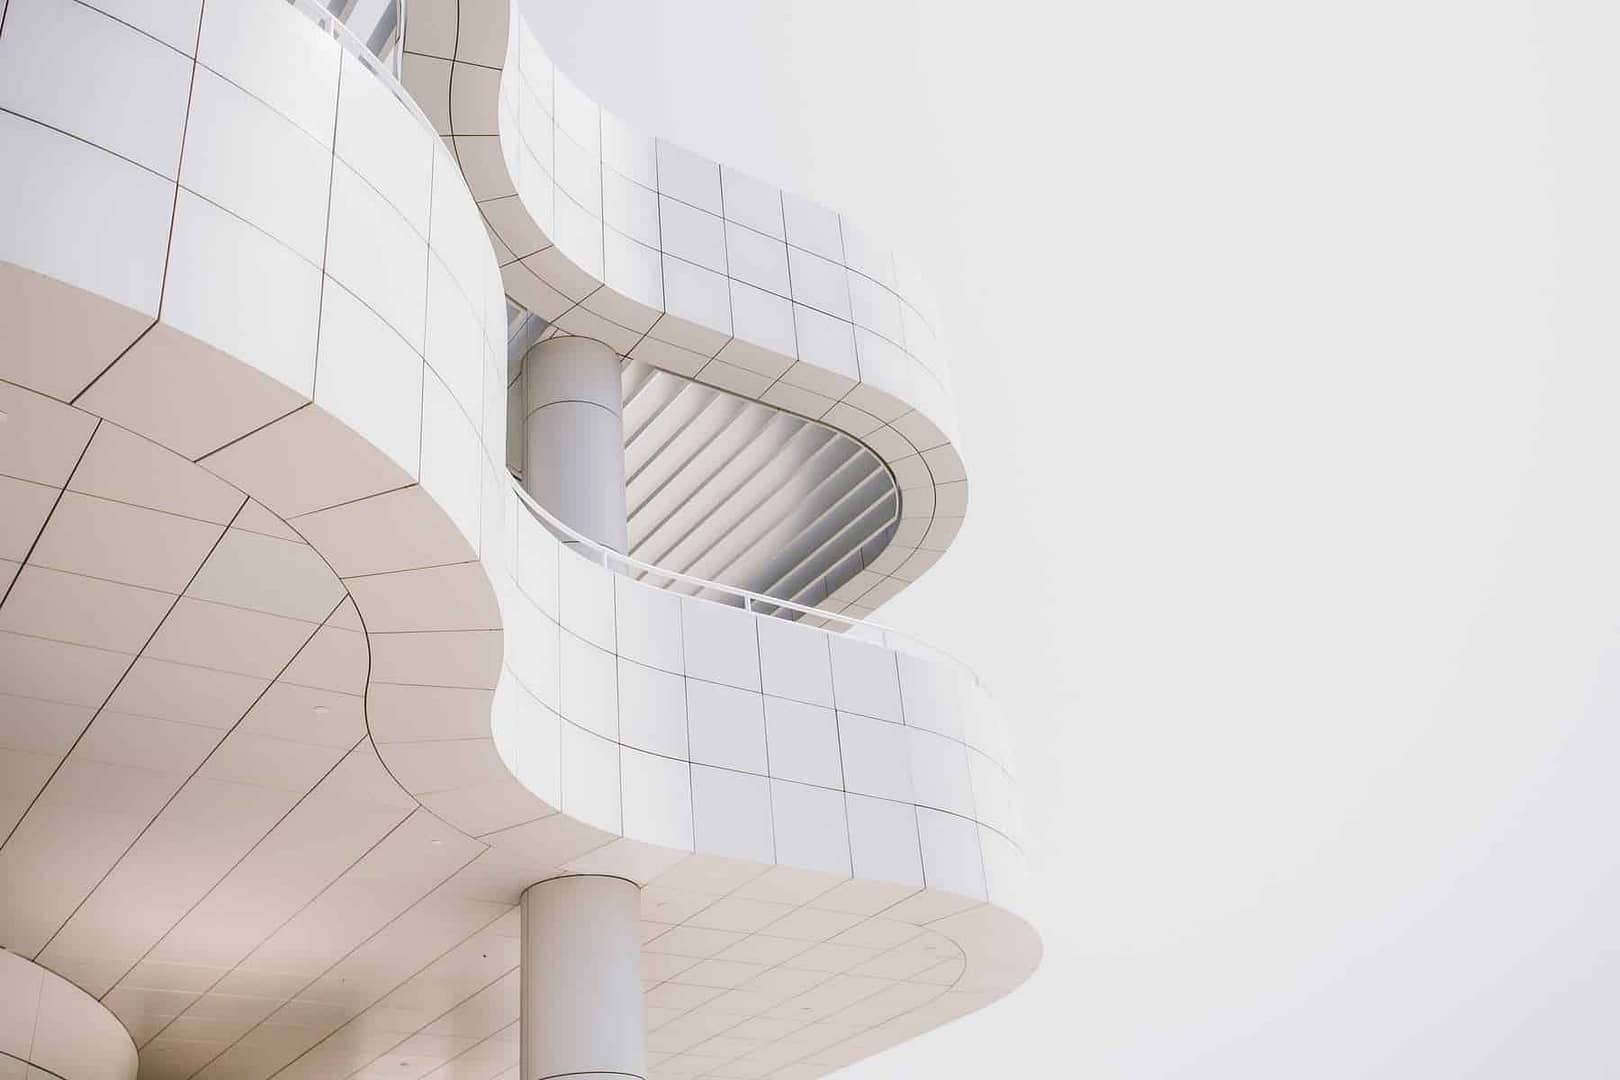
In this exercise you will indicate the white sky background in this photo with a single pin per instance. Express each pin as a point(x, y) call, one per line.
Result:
point(1285, 343)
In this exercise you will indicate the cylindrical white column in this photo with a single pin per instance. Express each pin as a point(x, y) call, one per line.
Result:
point(573, 442)
point(582, 1013)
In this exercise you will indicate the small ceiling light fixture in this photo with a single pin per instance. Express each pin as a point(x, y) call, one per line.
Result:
point(321, 710)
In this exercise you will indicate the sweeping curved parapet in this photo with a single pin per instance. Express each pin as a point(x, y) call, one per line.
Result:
point(257, 276)
point(695, 268)
point(52, 1030)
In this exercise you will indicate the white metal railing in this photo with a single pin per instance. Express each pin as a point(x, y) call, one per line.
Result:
point(757, 603)
point(383, 48)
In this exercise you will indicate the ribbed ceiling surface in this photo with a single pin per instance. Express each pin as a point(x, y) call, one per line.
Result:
point(730, 490)
point(734, 491)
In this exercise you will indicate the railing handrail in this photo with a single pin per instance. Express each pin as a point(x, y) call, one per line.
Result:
point(606, 557)
point(331, 24)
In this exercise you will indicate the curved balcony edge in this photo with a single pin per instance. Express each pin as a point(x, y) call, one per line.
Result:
point(51, 1028)
point(695, 268)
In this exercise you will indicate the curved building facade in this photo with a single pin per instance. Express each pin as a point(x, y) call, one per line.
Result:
point(438, 526)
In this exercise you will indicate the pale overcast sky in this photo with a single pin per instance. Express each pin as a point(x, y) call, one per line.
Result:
point(1285, 343)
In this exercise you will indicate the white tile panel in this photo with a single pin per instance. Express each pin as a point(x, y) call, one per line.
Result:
point(811, 831)
point(278, 55)
point(1006, 879)
point(758, 259)
point(454, 342)
point(629, 153)
point(451, 459)
point(751, 202)
point(803, 743)
point(721, 644)
point(950, 852)
point(686, 176)
point(647, 625)
point(537, 562)
point(795, 661)
point(536, 747)
point(383, 143)
point(866, 256)
point(731, 814)
point(635, 278)
point(876, 757)
point(590, 778)
point(589, 687)
point(578, 237)
point(250, 159)
point(939, 773)
point(173, 22)
point(374, 253)
point(865, 679)
point(458, 235)
point(811, 227)
point(578, 117)
point(237, 289)
point(657, 799)
point(883, 841)
point(369, 377)
point(586, 593)
point(693, 235)
point(652, 710)
point(875, 308)
point(630, 208)
point(725, 727)
point(932, 694)
point(764, 320)
point(699, 297)
point(87, 74)
point(578, 174)
point(819, 283)
point(994, 801)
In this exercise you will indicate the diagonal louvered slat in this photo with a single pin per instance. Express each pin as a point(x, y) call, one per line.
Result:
point(736, 491)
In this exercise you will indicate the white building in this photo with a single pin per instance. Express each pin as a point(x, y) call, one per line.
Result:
point(437, 525)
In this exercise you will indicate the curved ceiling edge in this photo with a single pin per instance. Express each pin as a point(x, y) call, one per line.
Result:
point(55, 1029)
point(694, 268)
